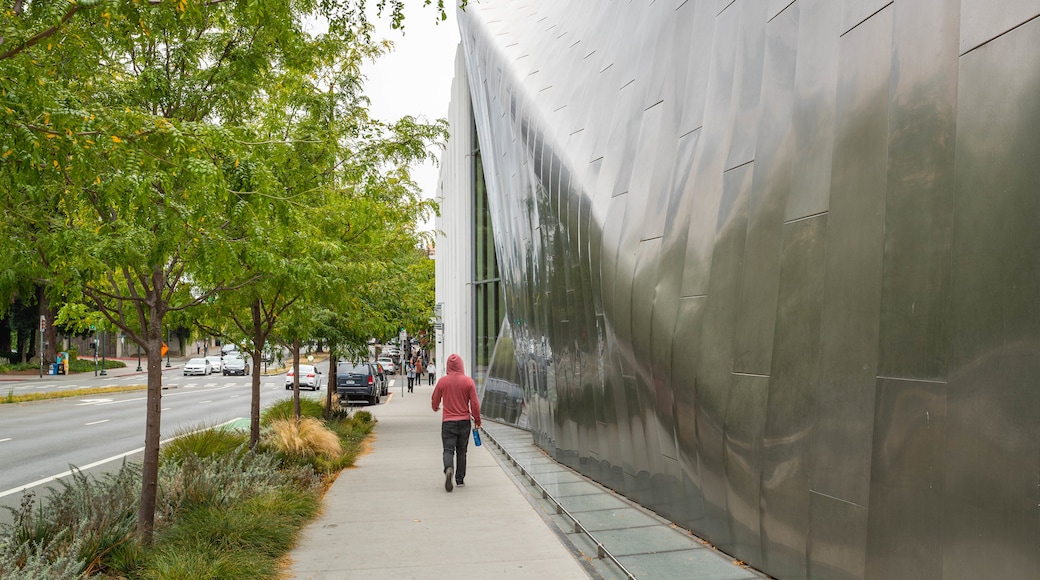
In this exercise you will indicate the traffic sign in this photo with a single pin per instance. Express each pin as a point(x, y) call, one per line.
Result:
point(165, 349)
point(43, 323)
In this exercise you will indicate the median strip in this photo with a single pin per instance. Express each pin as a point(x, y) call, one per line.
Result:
point(81, 392)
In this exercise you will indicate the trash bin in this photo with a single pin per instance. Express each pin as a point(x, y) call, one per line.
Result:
point(56, 369)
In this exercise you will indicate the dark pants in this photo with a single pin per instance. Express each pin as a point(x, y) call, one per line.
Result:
point(431, 379)
point(455, 437)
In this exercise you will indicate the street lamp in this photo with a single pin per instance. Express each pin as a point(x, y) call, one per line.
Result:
point(138, 357)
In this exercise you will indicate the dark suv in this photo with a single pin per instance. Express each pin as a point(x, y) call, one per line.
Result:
point(358, 381)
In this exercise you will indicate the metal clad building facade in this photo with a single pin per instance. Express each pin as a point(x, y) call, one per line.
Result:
point(772, 268)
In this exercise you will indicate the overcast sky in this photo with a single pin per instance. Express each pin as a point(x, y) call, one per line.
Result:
point(415, 79)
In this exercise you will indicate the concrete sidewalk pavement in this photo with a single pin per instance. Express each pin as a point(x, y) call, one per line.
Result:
point(390, 517)
point(521, 515)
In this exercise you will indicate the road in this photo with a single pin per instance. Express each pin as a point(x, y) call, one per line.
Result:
point(39, 441)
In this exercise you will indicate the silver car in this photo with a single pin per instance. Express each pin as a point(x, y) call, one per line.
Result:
point(310, 378)
point(216, 364)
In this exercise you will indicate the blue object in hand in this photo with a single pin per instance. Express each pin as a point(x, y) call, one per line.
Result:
point(476, 437)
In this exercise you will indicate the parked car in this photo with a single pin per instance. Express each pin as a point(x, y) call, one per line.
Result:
point(358, 381)
point(234, 365)
point(197, 366)
point(228, 348)
point(388, 364)
point(216, 364)
point(384, 378)
point(310, 378)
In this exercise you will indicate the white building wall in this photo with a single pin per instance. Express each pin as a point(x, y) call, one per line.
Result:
point(454, 226)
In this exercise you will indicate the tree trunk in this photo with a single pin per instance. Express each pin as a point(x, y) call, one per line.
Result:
point(152, 432)
point(50, 335)
point(259, 338)
point(296, 378)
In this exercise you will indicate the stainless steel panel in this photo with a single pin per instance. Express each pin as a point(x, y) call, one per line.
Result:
point(747, 83)
point(837, 532)
point(993, 405)
point(919, 204)
point(789, 420)
point(753, 346)
point(906, 481)
point(984, 20)
point(744, 430)
point(814, 94)
point(855, 248)
point(710, 158)
point(715, 361)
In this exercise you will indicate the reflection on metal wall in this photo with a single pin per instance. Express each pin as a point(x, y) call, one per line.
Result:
point(773, 267)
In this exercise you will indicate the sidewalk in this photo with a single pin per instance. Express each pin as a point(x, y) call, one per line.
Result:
point(389, 516)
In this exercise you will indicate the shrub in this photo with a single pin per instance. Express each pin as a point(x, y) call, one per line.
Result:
point(86, 520)
point(303, 436)
point(283, 409)
point(54, 559)
point(244, 540)
point(205, 443)
point(220, 481)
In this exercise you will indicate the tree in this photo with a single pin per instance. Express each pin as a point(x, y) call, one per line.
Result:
point(131, 170)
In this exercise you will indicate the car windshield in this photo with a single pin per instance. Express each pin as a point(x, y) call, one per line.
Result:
point(197, 361)
point(348, 368)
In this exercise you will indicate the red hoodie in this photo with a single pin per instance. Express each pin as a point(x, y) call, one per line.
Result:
point(458, 393)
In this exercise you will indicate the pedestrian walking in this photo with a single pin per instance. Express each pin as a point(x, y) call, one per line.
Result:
point(418, 371)
point(459, 395)
point(431, 369)
point(411, 376)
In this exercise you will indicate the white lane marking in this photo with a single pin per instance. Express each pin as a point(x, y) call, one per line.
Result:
point(93, 402)
point(22, 488)
point(211, 384)
point(96, 422)
point(233, 397)
point(165, 408)
point(2, 440)
point(204, 402)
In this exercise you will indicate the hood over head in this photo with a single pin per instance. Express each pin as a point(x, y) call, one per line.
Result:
point(455, 364)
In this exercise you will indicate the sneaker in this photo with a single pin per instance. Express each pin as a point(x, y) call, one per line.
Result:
point(448, 473)
point(459, 484)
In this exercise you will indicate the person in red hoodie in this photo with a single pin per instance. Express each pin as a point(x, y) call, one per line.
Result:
point(459, 395)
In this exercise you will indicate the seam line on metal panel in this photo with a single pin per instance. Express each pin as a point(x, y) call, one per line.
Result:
point(739, 166)
point(808, 217)
point(865, 19)
point(789, 4)
point(985, 42)
point(837, 498)
point(914, 380)
point(749, 374)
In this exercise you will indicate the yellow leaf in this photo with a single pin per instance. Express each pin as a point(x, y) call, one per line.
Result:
point(55, 163)
point(236, 163)
point(6, 153)
point(97, 180)
point(116, 139)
